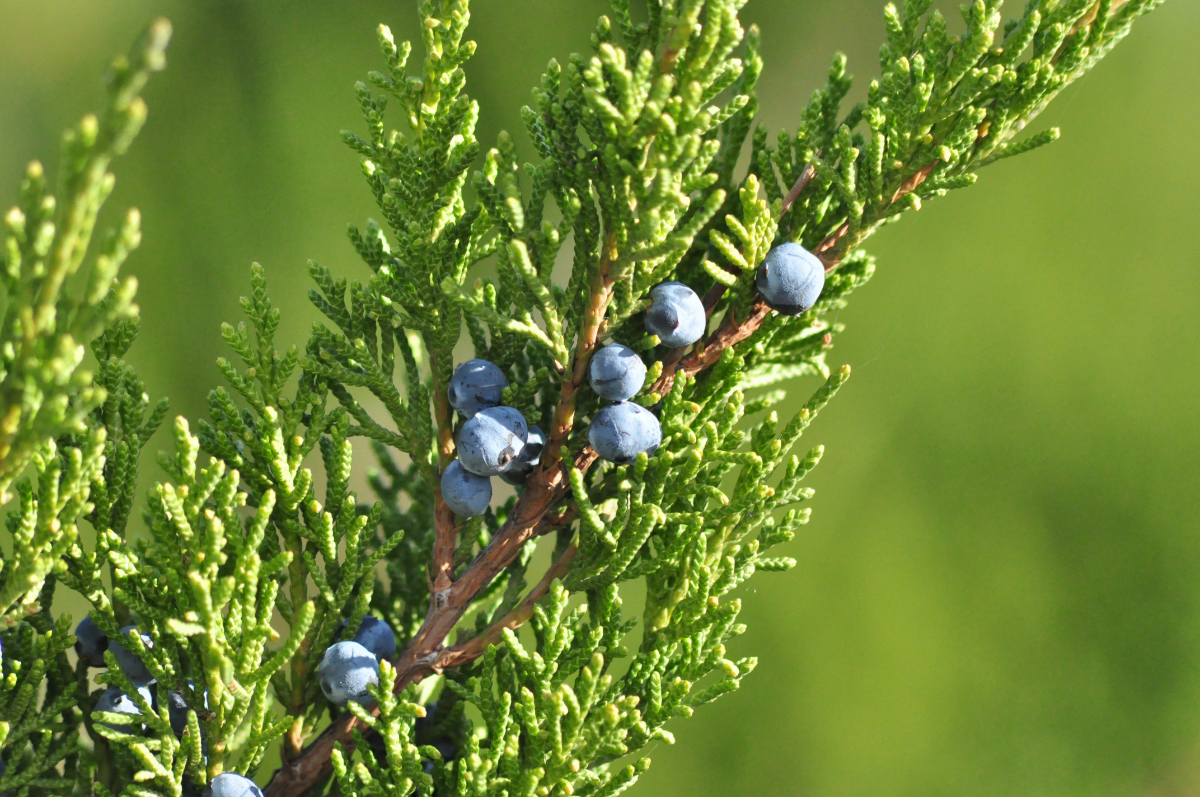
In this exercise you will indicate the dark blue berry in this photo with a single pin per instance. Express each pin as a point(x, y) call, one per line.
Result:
point(617, 373)
point(791, 279)
point(188, 787)
point(465, 493)
point(676, 315)
point(476, 385)
point(90, 642)
point(345, 672)
point(619, 432)
point(376, 636)
point(133, 667)
point(114, 701)
point(231, 784)
point(177, 712)
point(177, 708)
point(531, 455)
point(429, 730)
point(490, 442)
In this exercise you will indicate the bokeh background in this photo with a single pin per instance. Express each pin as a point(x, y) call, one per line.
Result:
point(1000, 590)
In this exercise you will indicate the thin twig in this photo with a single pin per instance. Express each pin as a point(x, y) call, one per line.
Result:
point(914, 180)
point(474, 647)
point(806, 176)
point(589, 335)
point(731, 331)
point(728, 334)
point(441, 570)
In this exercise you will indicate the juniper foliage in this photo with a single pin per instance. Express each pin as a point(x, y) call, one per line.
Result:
point(246, 573)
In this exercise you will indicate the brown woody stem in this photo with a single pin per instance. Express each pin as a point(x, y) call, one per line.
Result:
point(423, 655)
point(728, 334)
point(441, 571)
point(731, 331)
point(589, 335)
point(474, 647)
point(806, 176)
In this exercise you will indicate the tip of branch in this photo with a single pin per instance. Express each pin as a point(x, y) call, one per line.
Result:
point(154, 44)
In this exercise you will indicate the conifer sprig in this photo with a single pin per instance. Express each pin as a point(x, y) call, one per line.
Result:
point(64, 462)
point(248, 575)
point(418, 181)
point(44, 392)
point(38, 720)
point(638, 146)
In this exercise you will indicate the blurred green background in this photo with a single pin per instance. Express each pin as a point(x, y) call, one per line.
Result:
point(1000, 590)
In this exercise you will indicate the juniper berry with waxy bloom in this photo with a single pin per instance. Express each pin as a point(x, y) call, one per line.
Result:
point(619, 432)
point(676, 314)
point(616, 372)
point(345, 672)
point(790, 279)
point(490, 442)
point(114, 701)
point(231, 784)
point(133, 667)
point(476, 385)
point(376, 636)
point(90, 642)
point(464, 492)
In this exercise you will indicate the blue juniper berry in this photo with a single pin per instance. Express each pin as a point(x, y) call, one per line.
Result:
point(476, 385)
point(676, 314)
point(490, 442)
point(114, 701)
point(616, 372)
point(90, 642)
point(619, 432)
point(464, 492)
point(376, 636)
point(790, 279)
point(231, 784)
point(345, 672)
point(133, 667)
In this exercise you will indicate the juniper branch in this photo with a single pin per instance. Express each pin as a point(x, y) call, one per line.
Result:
point(44, 392)
point(924, 134)
point(638, 146)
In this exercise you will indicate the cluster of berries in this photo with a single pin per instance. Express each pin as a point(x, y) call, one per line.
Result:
point(90, 644)
point(622, 430)
point(790, 280)
point(494, 441)
point(349, 667)
point(344, 674)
